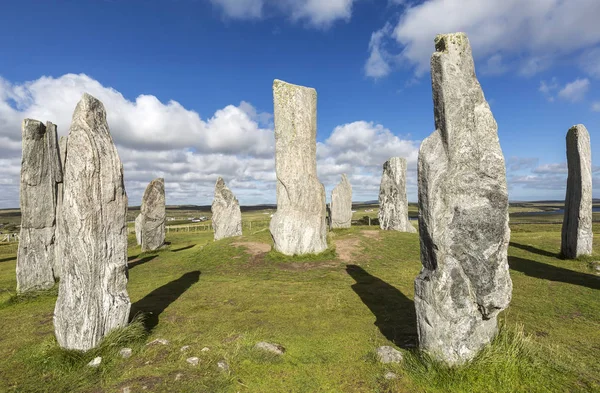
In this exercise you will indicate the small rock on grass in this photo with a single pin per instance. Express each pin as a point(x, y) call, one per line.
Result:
point(159, 341)
point(126, 389)
point(178, 376)
point(269, 347)
point(95, 362)
point(193, 361)
point(387, 354)
point(185, 348)
point(390, 375)
point(125, 353)
point(223, 366)
point(205, 349)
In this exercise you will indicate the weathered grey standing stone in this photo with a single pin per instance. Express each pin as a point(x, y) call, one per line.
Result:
point(393, 204)
point(62, 145)
point(226, 213)
point(298, 226)
point(463, 213)
point(92, 296)
point(40, 175)
point(577, 235)
point(138, 229)
point(341, 204)
point(153, 215)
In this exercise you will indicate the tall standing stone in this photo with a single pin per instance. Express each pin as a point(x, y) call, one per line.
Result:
point(40, 175)
point(463, 213)
point(393, 204)
point(92, 297)
point(226, 213)
point(577, 232)
point(298, 226)
point(341, 204)
point(138, 229)
point(62, 145)
point(153, 215)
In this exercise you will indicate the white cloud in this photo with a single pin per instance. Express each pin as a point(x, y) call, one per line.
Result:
point(377, 65)
point(514, 164)
point(555, 168)
point(575, 91)
point(240, 9)
point(529, 35)
point(596, 106)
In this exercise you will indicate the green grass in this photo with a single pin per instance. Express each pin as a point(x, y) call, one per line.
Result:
point(328, 312)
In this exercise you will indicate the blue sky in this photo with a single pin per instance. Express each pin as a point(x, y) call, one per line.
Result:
point(187, 84)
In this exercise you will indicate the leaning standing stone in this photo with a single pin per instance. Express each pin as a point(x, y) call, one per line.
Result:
point(153, 215)
point(577, 232)
point(92, 297)
point(40, 175)
point(341, 204)
point(393, 204)
point(298, 226)
point(226, 213)
point(463, 213)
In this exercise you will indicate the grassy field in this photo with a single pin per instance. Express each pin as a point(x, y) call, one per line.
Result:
point(329, 312)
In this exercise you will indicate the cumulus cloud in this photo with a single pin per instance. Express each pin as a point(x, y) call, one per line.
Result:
point(317, 13)
point(378, 64)
point(157, 139)
point(528, 36)
point(575, 91)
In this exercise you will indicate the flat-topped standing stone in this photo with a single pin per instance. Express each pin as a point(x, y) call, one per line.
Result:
point(138, 229)
point(463, 213)
point(92, 296)
point(153, 215)
point(341, 204)
point(393, 204)
point(226, 213)
point(577, 235)
point(298, 226)
point(62, 145)
point(40, 175)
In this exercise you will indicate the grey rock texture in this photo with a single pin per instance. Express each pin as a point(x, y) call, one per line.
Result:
point(577, 235)
point(393, 204)
point(275, 349)
point(92, 296)
point(40, 174)
point(226, 213)
point(153, 215)
point(138, 229)
point(341, 204)
point(62, 145)
point(463, 213)
point(298, 227)
point(387, 354)
point(95, 362)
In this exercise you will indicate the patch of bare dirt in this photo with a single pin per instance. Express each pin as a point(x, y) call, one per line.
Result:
point(253, 248)
point(371, 234)
point(346, 248)
point(304, 266)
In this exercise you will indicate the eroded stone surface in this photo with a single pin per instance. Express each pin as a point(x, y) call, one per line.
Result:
point(577, 235)
point(393, 204)
point(275, 349)
point(138, 229)
point(226, 213)
point(298, 227)
point(62, 145)
point(40, 175)
point(463, 213)
point(92, 297)
point(341, 204)
point(387, 354)
point(153, 215)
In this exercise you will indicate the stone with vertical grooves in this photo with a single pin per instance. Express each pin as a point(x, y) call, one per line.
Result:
point(463, 213)
point(393, 204)
point(40, 175)
point(577, 235)
point(92, 297)
point(298, 227)
point(341, 204)
point(62, 145)
point(153, 216)
point(226, 213)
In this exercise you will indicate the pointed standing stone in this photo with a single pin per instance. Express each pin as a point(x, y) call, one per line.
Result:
point(226, 213)
point(463, 213)
point(40, 175)
point(138, 229)
point(341, 204)
point(92, 297)
point(58, 246)
point(153, 215)
point(298, 226)
point(393, 204)
point(577, 235)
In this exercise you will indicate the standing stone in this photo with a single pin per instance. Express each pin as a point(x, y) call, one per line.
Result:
point(463, 213)
point(62, 145)
point(393, 204)
point(138, 229)
point(40, 175)
point(577, 232)
point(92, 296)
point(298, 227)
point(226, 213)
point(341, 204)
point(153, 215)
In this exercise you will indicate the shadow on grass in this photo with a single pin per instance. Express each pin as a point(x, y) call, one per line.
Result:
point(553, 273)
point(8, 259)
point(132, 264)
point(154, 303)
point(395, 313)
point(535, 250)
point(183, 248)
